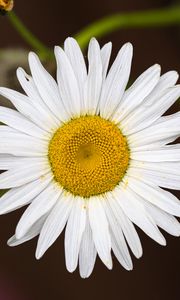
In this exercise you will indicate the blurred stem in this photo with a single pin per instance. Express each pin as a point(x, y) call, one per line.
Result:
point(27, 35)
point(104, 26)
point(151, 18)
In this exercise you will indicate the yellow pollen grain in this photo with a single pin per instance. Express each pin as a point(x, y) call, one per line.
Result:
point(89, 156)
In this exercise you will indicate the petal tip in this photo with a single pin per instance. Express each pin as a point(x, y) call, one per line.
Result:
point(38, 254)
point(129, 268)
point(157, 67)
point(10, 242)
point(109, 264)
point(128, 47)
point(70, 269)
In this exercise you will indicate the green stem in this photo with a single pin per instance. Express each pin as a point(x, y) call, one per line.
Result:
point(152, 18)
point(104, 26)
point(27, 35)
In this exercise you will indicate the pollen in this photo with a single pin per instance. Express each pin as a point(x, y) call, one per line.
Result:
point(88, 156)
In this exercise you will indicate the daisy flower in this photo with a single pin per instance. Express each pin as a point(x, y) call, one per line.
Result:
point(6, 5)
point(91, 156)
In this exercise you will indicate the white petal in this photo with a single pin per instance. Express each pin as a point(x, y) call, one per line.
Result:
point(47, 87)
point(167, 80)
point(163, 179)
point(35, 99)
point(105, 57)
point(135, 95)
point(93, 84)
point(160, 167)
point(76, 59)
point(136, 212)
point(9, 161)
point(168, 118)
point(17, 177)
point(119, 245)
point(136, 121)
point(18, 197)
point(164, 128)
point(166, 153)
point(6, 129)
point(127, 227)
point(157, 196)
point(116, 81)
point(54, 224)
point(7, 132)
point(154, 145)
point(22, 145)
point(24, 106)
point(143, 119)
point(74, 231)
point(100, 230)
point(32, 232)
point(40, 206)
point(87, 252)
point(16, 120)
point(68, 85)
point(163, 219)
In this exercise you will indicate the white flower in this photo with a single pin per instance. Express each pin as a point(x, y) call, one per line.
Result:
point(86, 152)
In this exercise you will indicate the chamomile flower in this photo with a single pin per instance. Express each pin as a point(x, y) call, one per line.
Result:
point(91, 156)
point(6, 5)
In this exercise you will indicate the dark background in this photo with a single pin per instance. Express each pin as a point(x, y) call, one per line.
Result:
point(156, 274)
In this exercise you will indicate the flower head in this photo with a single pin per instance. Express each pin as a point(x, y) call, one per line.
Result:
point(90, 156)
point(6, 5)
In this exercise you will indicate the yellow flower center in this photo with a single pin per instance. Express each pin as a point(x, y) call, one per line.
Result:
point(88, 156)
